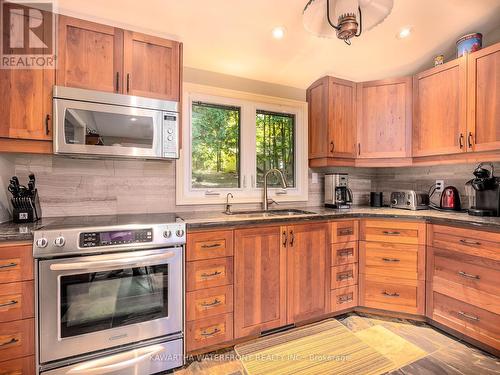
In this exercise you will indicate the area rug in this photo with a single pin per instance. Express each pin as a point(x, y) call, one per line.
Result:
point(324, 348)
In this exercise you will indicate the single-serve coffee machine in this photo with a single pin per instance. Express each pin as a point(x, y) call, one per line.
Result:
point(484, 196)
point(337, 192)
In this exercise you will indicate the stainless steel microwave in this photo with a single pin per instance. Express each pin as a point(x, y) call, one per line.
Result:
point(99, 124)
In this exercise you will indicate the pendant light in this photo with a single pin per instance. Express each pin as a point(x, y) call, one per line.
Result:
point(344, 19)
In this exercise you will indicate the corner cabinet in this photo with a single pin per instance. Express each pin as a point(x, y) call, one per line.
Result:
point(332, 121)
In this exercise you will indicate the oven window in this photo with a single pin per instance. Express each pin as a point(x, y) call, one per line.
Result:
point(102, 300)
point(94, 128)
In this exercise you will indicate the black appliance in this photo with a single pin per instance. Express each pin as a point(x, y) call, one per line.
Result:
point(487, 191)
point(25, 201)
point(376, 199)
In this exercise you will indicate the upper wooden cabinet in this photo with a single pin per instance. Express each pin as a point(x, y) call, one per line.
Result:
point(483, 104)
point(440, 109)
point(332, 124)
point(104, 58)
point(89, 55)
point(151, 66)
point(384, 118)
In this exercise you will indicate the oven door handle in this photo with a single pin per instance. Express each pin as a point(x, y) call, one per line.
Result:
point(135, 261)
point(115, 363)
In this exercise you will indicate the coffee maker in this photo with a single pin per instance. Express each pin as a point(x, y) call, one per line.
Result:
point(337, 192)
point(486, 192)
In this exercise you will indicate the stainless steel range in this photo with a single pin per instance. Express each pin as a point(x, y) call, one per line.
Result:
point(110, 295)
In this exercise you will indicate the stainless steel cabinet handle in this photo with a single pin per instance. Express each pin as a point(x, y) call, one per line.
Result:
point(345, 298)
point(344, 276)
point(11, 341)
point(391, 233)
point(395, 260)
point(470, 242)
point(387, 294)
point(216, 302)
point(467, 316)
point(346, 253)
point(211, 246)
point(345, 232)
point(215, 331)
point(10, 303)
point(213, 274)
point(468, 275)
point(8, 265)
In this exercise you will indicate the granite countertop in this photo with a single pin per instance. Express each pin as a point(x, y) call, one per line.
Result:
point(198, 220)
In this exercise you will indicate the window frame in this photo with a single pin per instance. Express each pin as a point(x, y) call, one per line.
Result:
point(249, 103)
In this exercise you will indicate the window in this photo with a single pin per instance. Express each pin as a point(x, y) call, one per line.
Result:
point(231, 138)
point(215, 146)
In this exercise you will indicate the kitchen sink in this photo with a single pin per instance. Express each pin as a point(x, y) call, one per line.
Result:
point(270, 213)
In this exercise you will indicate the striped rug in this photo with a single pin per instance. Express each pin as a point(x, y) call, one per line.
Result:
point(324, 348)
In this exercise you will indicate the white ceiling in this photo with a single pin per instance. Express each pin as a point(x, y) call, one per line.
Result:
point(234, 36)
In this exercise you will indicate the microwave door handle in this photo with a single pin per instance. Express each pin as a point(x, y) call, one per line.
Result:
point(93, 265)
point(114, 363)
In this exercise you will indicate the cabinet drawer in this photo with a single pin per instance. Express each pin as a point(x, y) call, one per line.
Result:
point(209, 273)
point(392, 259)
point(345, 275)
point(210, 331)
point(16, 263)
point(19, 366)
point(469, 279)
point(344, 231)
point(470, 320)
point(467, 241)
point(17, 339)
point(209, 245)
point(344, 298)
point(209, 302)
point(404, 232)
point(17, 301)
point(393, 294)
point(344, 253)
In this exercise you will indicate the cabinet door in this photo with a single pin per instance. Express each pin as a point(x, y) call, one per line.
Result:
point(384, 118)
point(260, 280)
point(26, 109)
point(317, 98)
point(151, 66)
point(342, 118)
point(483, 127)
point(308, 271)
point(439, 125)
point(90, 55)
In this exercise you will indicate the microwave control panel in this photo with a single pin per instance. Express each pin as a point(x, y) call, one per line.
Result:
point(170, 135)
point(113, 238)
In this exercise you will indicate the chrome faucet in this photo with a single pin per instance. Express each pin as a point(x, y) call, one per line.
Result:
point(228, 206)
point(265, 203)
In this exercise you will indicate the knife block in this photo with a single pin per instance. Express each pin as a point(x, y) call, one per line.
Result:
point(26, 209)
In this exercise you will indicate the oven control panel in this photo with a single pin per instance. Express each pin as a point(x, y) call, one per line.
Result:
point(113, 238)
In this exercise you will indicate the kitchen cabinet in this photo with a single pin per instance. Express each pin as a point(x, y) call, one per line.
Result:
point(384, 118)
point(332, 118)
point(90, 55)
point(260, 280)
point(440, 109)
point(483, 103)
point(105, 58)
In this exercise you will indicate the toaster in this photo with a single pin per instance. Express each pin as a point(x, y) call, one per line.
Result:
point(409, 200)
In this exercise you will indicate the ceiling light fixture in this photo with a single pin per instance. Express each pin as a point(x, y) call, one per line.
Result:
point(353, 17)
point(278, 32)
point(404, 32)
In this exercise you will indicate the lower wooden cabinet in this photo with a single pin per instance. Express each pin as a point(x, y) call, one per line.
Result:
point(344, 298)
point(17, 339)
point(18, 366)
point(208, 332)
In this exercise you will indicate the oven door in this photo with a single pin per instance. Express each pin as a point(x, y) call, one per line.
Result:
point(91, 303)
point(96, 129)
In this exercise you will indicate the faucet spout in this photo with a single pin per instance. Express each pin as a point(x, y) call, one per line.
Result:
point(265, 203)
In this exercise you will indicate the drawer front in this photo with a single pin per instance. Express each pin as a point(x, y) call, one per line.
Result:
point(393, 231)
point(470, 320)
point(17, 339)
point(343, 276)
point(17, 301)
point(344, 231)
point(204, 274)
point(16, 263)
point(19, 366)
point(209, 245)
point(467, 241)
point(344, 298)
point(393, 294)
point(391, 259)
point(344, 253)
point(210, 331)
point(209, 302)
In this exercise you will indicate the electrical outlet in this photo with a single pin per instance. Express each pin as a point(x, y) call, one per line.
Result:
point(439, 186)
point(314, 178)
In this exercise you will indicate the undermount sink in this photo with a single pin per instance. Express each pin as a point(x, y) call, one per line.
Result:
point(270, 213)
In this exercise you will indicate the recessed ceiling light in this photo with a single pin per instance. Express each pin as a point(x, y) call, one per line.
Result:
point(405, 32)
point(279, 32)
